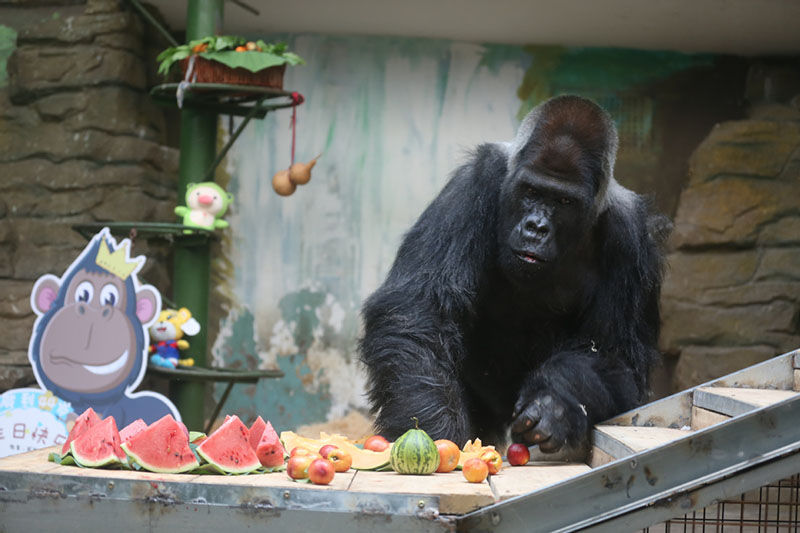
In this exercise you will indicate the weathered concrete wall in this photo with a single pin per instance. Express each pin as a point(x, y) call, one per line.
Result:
point(80, 141)
point(732, 294)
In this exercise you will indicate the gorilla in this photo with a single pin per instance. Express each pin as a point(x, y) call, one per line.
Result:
point(524, 301)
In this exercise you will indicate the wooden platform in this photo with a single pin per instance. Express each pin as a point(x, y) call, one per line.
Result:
point(455, 495)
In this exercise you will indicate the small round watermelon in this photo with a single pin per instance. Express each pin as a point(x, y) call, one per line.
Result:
point(414, 452)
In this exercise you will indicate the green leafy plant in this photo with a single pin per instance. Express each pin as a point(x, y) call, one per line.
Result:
point(257, 55)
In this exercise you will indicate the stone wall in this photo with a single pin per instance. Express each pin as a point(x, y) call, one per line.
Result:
point(80, 141)
point(731, 297)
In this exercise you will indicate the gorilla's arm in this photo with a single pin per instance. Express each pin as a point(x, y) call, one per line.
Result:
point(605, 371)
point(414, 323)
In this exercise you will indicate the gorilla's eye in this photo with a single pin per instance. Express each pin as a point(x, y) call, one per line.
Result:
point(109, 295)
point(528, 190)
point(84, 292)
point(566, 201)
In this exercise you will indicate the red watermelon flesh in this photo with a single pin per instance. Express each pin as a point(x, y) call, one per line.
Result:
point(132, 429)
point(163, 447)
point(87, 419)
point(228, 448)
point(99, 446)
point(270, 451)
point(255, 432)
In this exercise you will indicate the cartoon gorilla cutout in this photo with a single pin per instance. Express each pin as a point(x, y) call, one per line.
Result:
point(90, 339)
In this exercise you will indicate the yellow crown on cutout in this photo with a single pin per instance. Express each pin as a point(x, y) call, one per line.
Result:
point(117, 263)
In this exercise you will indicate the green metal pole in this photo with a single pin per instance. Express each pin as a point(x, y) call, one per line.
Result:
point(193, 263)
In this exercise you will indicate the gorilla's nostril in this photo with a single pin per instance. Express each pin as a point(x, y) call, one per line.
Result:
point(106, 312)
point(81, 309)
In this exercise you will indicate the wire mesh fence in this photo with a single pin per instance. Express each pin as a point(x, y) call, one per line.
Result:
point(775, 507)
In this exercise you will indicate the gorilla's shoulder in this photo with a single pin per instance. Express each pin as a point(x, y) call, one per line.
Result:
point(633, 233)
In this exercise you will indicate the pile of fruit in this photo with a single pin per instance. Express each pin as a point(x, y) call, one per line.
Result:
point(166, 446)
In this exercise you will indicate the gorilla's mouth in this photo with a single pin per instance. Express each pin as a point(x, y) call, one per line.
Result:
point(110, 368)
point(100, 370)
point(529, 257)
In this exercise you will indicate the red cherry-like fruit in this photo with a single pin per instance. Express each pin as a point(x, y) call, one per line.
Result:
point(298, 466)
point(321, 471)
point(342, 461)
point(376, 443)
point(325, 450)
point(449, 454)
point(493, 460)
point(475, 470)
point(518, 454)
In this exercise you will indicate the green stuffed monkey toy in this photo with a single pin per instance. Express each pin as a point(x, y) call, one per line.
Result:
point(205, 203)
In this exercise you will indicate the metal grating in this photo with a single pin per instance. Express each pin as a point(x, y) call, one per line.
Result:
point(772, 508)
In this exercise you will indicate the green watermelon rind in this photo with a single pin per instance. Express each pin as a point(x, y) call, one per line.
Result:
point(233, 471)
point(137, 461)
point(108, 460)
point(140, 464)
point(414, 453)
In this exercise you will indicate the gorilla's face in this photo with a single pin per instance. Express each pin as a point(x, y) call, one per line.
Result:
point(546, 215)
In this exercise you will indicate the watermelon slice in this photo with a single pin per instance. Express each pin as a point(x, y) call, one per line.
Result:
point(256, 430)
point(99, 446)
point(162, 447)
point(270, 451)
point(228, 448)
point(87, 419)
point(132, 429)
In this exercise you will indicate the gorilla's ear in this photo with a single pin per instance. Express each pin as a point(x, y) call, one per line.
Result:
point(45, 293)
point(146, 304)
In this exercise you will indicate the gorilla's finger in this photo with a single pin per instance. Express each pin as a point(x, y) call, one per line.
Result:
point(529, 418)
point(543, 431)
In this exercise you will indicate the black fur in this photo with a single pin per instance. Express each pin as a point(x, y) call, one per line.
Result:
point(473, 341)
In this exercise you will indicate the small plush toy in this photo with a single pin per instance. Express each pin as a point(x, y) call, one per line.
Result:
point(205, 204)
point(166, 337)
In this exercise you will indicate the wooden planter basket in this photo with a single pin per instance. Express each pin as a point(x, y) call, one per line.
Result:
point(206, 71)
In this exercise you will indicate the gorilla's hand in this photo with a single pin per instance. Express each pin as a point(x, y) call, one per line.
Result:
point(547, 420)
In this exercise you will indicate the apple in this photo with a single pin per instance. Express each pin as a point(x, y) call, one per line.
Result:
point(518, 454)
point(449, 454)
point(321, 471)
point(297, 467)
point(376, 443)
point(475, 470)
point(325, 450)
point(341, 460)
point(493, 461)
